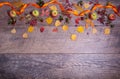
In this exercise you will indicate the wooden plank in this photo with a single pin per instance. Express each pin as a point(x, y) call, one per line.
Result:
point(60, 66)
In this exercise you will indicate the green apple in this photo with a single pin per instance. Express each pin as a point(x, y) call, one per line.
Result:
point(54, 13)
point(35, 13)
point(112, 17)
point(12, 13)
point(93, 16)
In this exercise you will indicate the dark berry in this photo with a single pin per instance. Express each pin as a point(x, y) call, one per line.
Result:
point(42, 29)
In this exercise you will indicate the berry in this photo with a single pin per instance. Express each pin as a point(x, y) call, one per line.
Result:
point(42, 29)
point(33, 22)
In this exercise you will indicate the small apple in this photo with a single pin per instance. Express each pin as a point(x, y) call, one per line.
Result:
point(35, 13)
point(93, 16)
point(111, 17)
point(54, 13)
point(12, 13)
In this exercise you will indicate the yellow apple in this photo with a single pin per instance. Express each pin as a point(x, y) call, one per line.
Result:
point(54, 13)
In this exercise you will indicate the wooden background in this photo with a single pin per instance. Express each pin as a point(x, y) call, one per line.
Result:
point(90, 57)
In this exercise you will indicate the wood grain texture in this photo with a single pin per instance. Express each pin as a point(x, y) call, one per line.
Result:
point(60, 66)
point(60, 42)
point(98, 55)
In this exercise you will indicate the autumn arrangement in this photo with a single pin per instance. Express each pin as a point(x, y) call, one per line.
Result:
point(61, 14)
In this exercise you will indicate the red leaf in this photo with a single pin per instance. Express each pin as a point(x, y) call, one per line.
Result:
point(55, 30)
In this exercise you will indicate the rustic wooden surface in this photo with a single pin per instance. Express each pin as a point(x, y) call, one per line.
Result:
point(60, 66)
point(98, 55)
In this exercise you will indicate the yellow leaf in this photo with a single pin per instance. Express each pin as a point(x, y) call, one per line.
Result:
point(88, 21)
point(107, 31)
point(25, 35)
point(30, 29)
point(53, 7)
point(94, 30)
point(80, 29)
point(86, 5)
point(13, 31)
point(57, 23)
point(75, 12)
point(17, 3)
point(49, 20)
point(73, 37)
point(78, 7)
point(65, 27)
point(86, 25)
point(92, 24)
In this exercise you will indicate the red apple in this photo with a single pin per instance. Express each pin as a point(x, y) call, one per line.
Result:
point(12, 13)
point(111, 17)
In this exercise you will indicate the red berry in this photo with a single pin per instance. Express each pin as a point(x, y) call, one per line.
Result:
point(42, 29)
point(90, 2)
point(82, 18)
point(76, 21)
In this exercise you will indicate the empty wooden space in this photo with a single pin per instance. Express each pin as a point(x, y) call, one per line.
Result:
point(60, 66)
